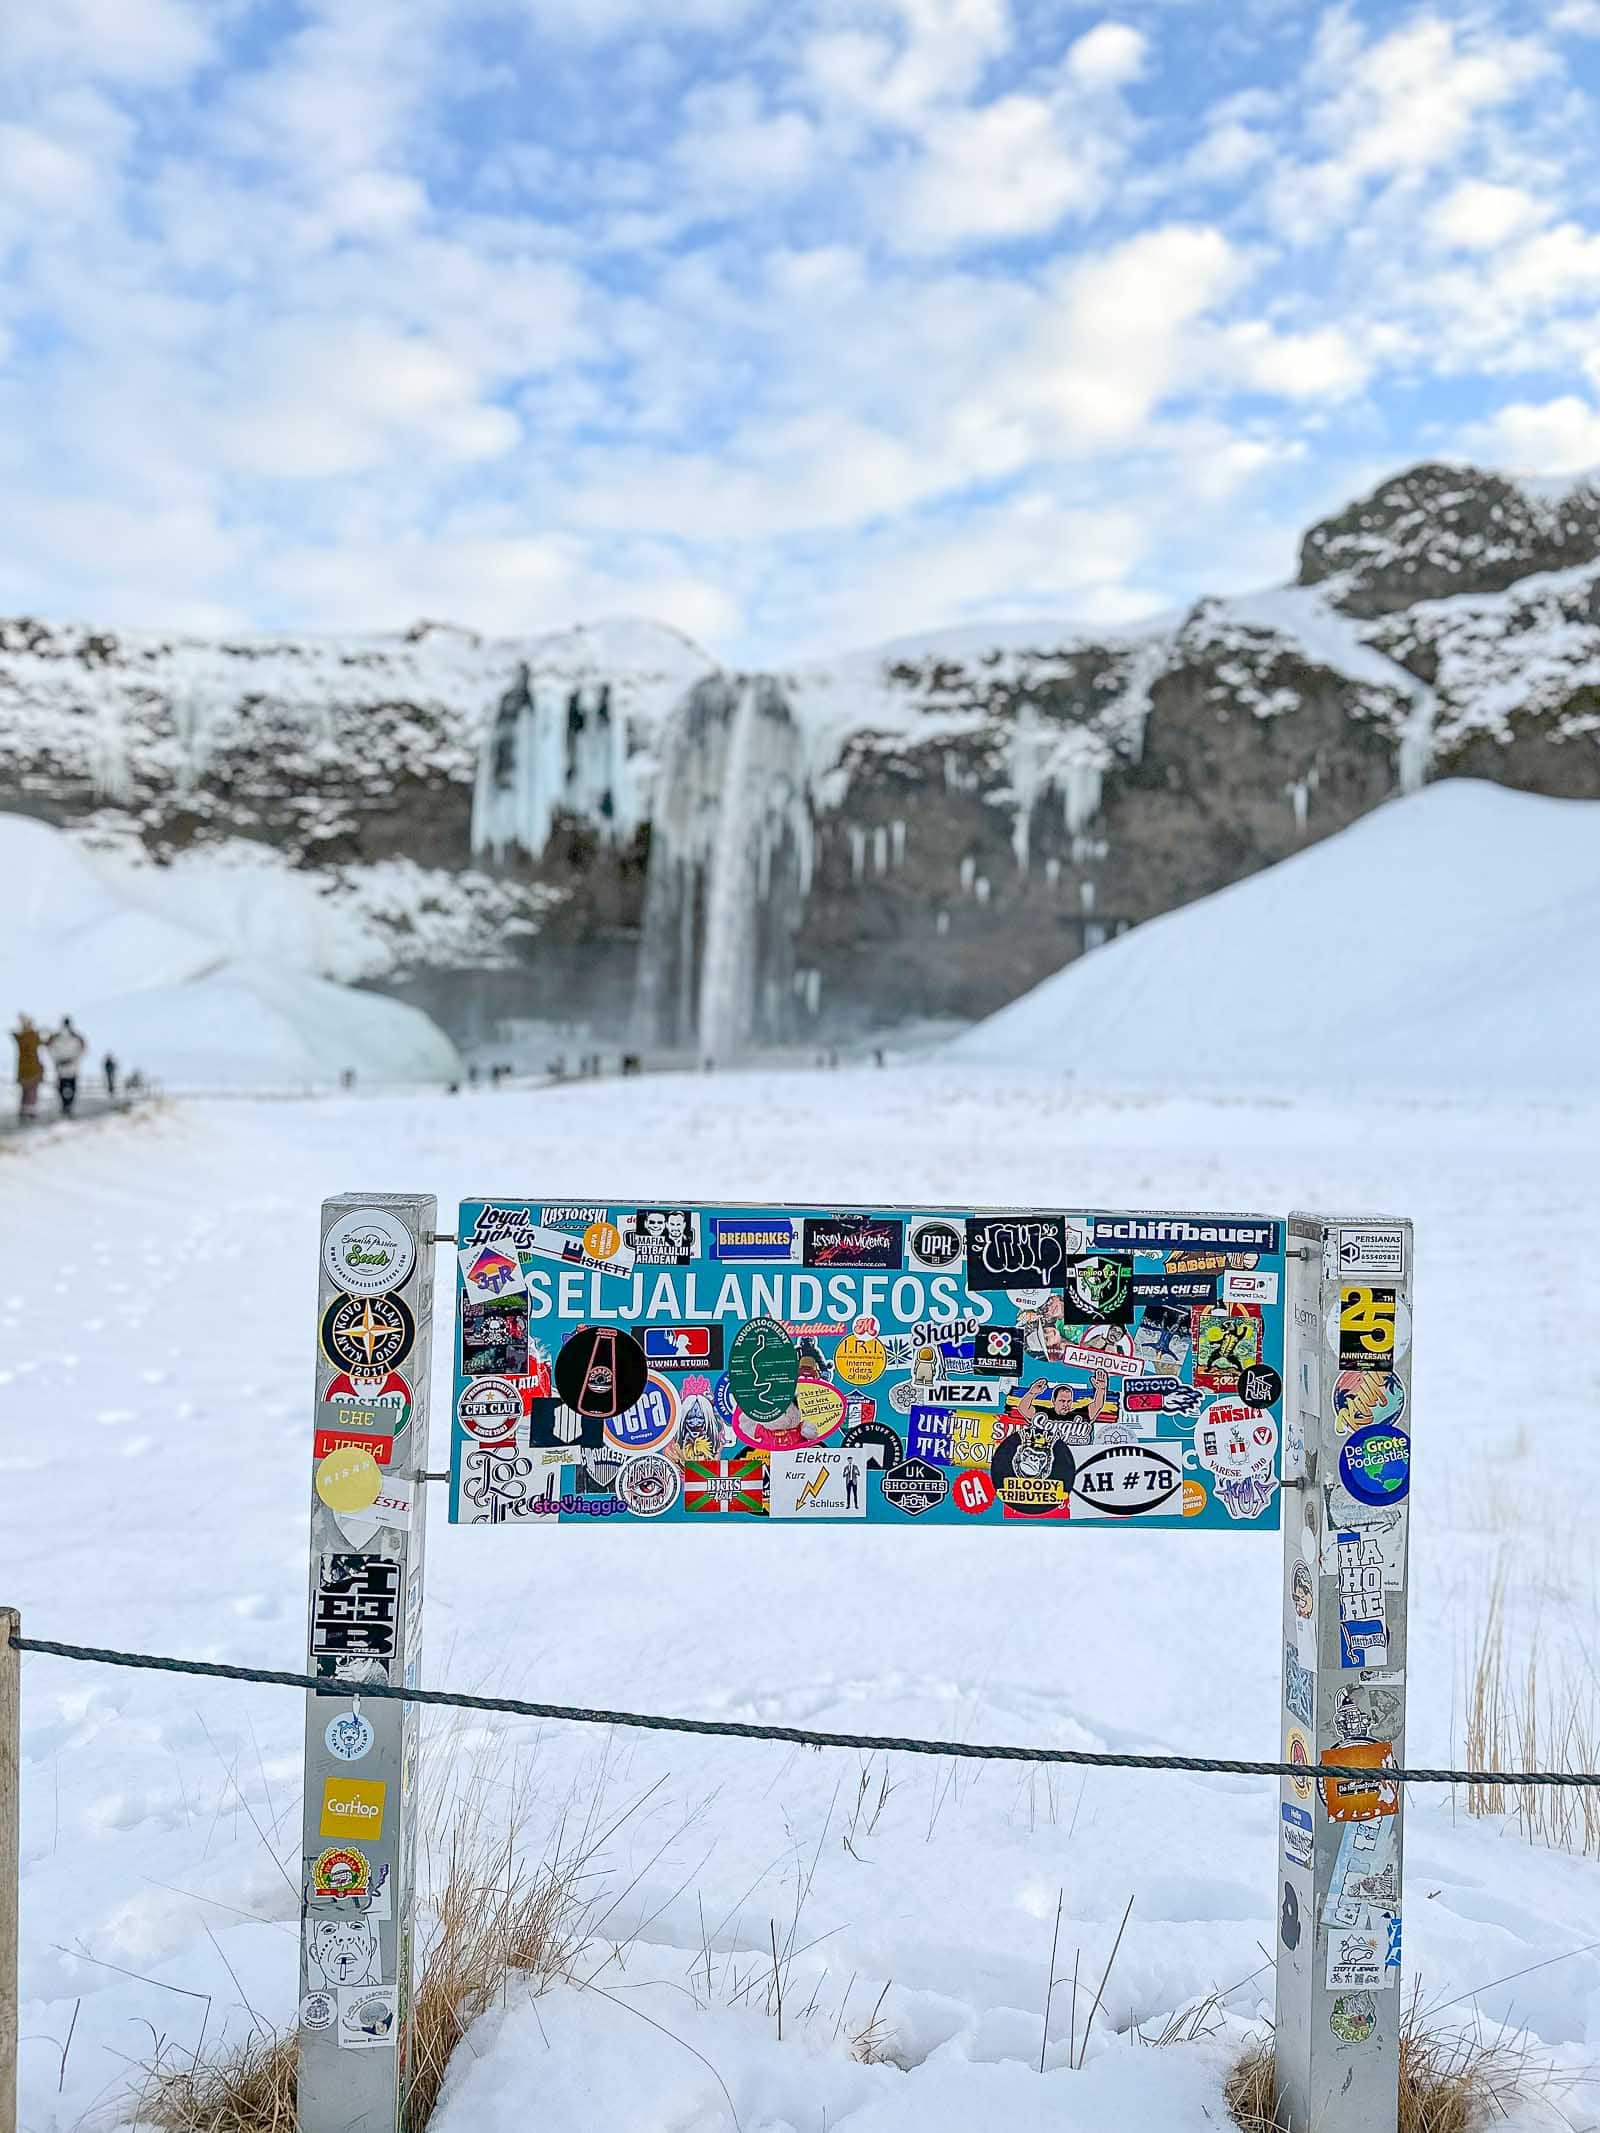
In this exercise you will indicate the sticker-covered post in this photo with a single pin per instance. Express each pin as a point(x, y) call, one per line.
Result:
point(358, 1854)
point(1347, 1481)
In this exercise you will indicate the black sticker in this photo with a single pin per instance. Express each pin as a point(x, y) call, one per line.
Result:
point(601, 1371)
point(368, 1332)
point(553, 1426)
point(1032, 1471)
point(664, 1236)
point(852, 1240)
point(494, 1338)
point(1260, 1385)
point(914, 1487)
point(1289, 1919)
point(1366, 1328)
point(876, 1437)
point(1174, 1288)
point(935, 1244)
point(357, 1605)
point(1100, 1288)
point(1015, 1251)
point(997, 1352)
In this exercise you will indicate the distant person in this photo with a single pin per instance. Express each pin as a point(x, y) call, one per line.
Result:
point(66, 1049)
point(110, 1071)
point(30, 1065)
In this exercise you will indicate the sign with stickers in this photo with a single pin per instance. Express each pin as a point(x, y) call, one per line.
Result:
point(895, 1367)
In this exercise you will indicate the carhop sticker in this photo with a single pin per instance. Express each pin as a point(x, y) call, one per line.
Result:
point(367, 1332)
point(368, 1252)
point(353, 1807)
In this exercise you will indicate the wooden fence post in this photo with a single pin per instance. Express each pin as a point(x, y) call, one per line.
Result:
point(10, 1857)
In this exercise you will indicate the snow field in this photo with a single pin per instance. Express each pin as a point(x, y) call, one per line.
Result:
point(157, 1290)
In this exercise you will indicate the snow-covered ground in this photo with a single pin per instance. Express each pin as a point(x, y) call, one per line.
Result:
point(193, 987)
point(157, 1290)
point(1447, 941)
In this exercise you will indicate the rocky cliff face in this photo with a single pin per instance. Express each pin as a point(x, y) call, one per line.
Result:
point(601, 826)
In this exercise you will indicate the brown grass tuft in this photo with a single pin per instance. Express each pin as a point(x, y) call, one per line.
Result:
point(1540, 1721)
point(248, 2088)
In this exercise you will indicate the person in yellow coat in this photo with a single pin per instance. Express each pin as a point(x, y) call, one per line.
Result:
point(30, 1064)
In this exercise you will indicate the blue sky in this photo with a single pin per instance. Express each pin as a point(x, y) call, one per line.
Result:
point(798, 325)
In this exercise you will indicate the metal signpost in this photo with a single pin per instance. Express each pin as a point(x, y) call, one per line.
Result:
point(705, 1365)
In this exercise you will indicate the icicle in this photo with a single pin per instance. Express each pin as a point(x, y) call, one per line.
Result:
point(858, 852)
point(897, 838)
point(880, 850)
point(969, 871)
point(1086, 896)
point(1052, 871)
point(980, 888)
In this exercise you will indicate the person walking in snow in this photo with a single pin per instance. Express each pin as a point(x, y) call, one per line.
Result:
point(111, 1076)
point(66, 1049)
point(30, 1065)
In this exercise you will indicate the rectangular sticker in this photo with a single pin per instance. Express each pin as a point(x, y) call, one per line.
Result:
point(366, 2018)
point(356, 1605)
point(1380, 1252)
point(489, 1272)
point(1366, 1328)
point(1249, 1288)
point(818, 1481)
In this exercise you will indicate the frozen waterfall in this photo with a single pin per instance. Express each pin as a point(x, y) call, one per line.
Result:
point(550, 751)
point(730, 866)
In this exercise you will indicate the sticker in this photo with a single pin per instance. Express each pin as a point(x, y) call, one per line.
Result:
point(488, 1273)
point(600, 1371)
point(385, 1390)
point(1375, 1465)
point(1297, 1750)
point(649, 1422)
point(573, 1219)
point(1361, 1798)
point(972, 1492)
point(997, 1352)
point(753, 1237)
point(325, 1441)
point(1369, 1710)
point(489, 1410)
point(494, 1339)
point(1259, 1386)
point(369, 1252)
point(1238, 1445)
point(820, 1407)
point(648, 1484)
point(1124, 1480)
point(348, 1479)
point(763, 1369)
point(1180, 1289)
point(1114, 1354)
point(1195, 1497)
point(356, 1605)
point(1299, 1687)
point(852, 1240)
point(682, 1347)
point(1365, 1873)
point(1366, 1396)
point(353, 1807)
point(366, 2017)
point(349, 1737)
point(1099, 1288)
point(1168, 1233)
point(1357, 1956)
point(961, 1392)
point(392, 1507)
point(881, 1444)
point(318, 2010)
point(1298, 1844)
point(554, 1427)
point(818, 1481)
point(367, 1332)
point(1367, 1327)
point(859, 1359)
point(1289, 1918)
point(1032, 1473)
point(341, 1872)
point(914, 1486)
point(600, 1250)
point(1370, 1251)
point(735, 1487)
point(1164, 1338)
point(1302, 1589)
point(664, 1236)
point(1254, 1287)
point(1015, 1251)
point(700, 1428)
point(1363, 1625)
point(343, 1950)
point(935, 1245)
point(1227, 1341)
point(1354, 2017)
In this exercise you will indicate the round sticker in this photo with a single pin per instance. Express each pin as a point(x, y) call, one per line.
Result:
point(972, 1492)
point(763, 1369)
point(373, 1388)
point(935, 1244)
point(648, 1484)
point(859, 1360)
point(1354, 2017)
point(650, 1421)
point(1194, 1498)
point(367, 1333)
point(1297, 1750)
point(602, 1240)
point(1375, 1464)
point(369, 1252)
point(349, 1737)
point(600, 1371)
point(341, 1871)
point(1260, 1385)
point(349, 1480)
point(1363, 1396)
point(1033, 1473)
point(318, 2011)
point(821, 1409)
point(489, 1410)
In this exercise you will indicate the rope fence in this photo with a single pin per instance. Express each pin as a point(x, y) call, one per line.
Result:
point(797, 1736)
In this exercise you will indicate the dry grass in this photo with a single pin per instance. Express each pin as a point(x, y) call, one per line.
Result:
point(1531, 1720)
point(248, 2088)
point(1452, 2079)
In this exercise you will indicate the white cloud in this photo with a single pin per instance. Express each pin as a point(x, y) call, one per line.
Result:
point(1476, 216)
point(733, 146)
point(1109, 56)
point(1321, 364)
point(1008, 169)
point(1560, 436)
point(134, 41)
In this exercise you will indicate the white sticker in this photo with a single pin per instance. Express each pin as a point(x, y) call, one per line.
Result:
point(818, 1481)
point(1370, 1251)
point(342, 1951)
point(369, 1251)
point(366, 2018)
point(576, 1251)
point(1358, 1956)
point(489, 1271)
point(393, 1510)
point(318, 2010)
point(1249, 1288)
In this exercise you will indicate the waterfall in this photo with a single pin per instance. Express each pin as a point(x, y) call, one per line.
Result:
point(550, 751)
point(731, 850)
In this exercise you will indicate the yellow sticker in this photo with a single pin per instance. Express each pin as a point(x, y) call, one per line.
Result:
point(353, 1807)
point(1194, 1498)
point(859, 1359)
point(821, 1407)
point(602, 1240)
point(1297, 1749)
point(349, 1479)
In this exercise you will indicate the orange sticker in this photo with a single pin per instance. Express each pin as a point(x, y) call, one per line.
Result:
point(602, 1240)
point(1194, 1498)
point(1361, 1799)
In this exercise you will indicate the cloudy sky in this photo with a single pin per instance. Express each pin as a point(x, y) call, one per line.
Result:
point(798, 323)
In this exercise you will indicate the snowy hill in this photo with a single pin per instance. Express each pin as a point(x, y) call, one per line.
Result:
point(1447, 944)
point(604, 826)
point(168, 998)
